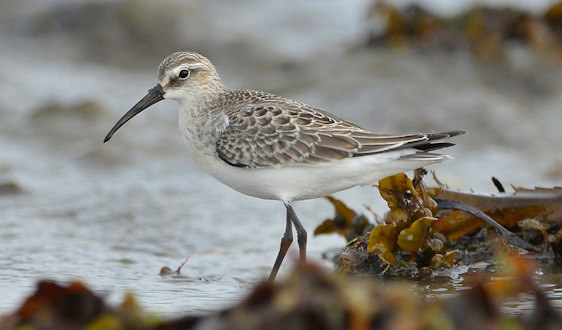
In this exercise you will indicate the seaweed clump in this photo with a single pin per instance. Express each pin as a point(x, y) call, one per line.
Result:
point(431, 229)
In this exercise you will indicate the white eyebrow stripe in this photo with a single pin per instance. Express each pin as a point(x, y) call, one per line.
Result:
point(192, 66)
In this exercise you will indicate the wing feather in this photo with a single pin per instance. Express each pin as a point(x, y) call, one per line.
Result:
point(269, 131)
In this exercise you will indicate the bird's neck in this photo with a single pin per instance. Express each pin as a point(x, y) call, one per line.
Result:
point(197, 114)
point(199, 101)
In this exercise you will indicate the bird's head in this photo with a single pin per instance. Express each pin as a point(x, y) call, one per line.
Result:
point(186, 77)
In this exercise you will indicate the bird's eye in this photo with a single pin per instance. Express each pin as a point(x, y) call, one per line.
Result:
point(184, 74)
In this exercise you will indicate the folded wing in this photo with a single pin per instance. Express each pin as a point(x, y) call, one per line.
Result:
point(279, 133)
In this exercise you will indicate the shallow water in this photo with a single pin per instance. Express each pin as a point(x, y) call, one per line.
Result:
point(548, 279)
point(113, 214)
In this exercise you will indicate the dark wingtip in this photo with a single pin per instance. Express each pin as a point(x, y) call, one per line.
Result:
point(456, 133)
point(434, 146)
point(443, 135)
point(431, 144)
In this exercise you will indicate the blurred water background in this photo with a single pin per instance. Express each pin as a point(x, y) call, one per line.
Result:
point(113, 214)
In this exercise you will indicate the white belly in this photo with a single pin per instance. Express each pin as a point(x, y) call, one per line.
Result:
point(299, 182)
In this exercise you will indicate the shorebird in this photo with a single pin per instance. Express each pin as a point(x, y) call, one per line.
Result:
point(275, 148)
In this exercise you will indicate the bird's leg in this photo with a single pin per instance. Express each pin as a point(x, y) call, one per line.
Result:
point(301, 232)
point(285, 244)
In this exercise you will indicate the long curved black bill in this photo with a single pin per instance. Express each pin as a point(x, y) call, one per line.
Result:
point(154, 95)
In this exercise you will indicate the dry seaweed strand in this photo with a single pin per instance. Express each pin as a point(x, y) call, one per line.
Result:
point(508, 209)
point(506, 234)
